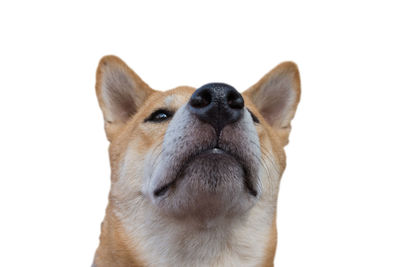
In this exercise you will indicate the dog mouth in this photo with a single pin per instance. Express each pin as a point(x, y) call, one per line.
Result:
point(217, 154)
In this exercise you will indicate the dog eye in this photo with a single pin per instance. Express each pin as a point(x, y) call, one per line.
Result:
point(159, 115)
point(255, 119)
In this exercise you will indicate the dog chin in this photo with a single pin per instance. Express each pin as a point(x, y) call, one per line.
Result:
point(211, 184)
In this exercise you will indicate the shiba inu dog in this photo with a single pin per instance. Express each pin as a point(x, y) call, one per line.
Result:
point(195, 172)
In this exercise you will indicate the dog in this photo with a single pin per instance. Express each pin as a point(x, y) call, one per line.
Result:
point(195, 173)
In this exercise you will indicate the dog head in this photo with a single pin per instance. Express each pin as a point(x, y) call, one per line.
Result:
point(200, 154)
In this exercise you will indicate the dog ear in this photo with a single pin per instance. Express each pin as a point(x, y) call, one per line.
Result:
point(276, 97)
point(120, 93)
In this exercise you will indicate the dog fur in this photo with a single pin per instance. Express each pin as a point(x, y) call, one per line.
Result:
point(193, 224)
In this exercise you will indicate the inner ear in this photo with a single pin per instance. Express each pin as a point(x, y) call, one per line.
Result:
point(120, 92)
point(276, 97)
point(277, 94)
point(275, 100)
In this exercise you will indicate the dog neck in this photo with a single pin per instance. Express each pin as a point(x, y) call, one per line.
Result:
point(146, 237)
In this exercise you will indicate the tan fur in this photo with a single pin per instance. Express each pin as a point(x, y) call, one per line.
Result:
point(120, 244)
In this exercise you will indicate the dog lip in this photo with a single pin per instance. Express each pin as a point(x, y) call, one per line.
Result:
point(162, 190)
point(215, 150)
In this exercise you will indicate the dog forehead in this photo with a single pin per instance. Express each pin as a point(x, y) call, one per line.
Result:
point(177, 97)
point(175, 100)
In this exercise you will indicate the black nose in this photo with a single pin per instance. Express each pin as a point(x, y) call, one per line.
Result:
point(218, 104)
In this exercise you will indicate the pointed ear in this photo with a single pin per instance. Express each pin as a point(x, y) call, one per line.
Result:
point(276, 97)
point(120, 93)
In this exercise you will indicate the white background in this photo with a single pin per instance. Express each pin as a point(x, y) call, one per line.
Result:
point(339, 202)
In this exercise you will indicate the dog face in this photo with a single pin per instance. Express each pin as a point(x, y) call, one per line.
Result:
point(200, 154)
point(194, 172)
point(196, 154)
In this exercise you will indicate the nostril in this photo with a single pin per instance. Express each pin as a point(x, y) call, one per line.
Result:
point(235, 100)
point(201, 99)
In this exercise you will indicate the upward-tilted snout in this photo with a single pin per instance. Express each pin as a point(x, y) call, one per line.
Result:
point(218, 104)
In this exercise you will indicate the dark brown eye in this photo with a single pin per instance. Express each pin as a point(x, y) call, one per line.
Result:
point(159, 115)
point(254, 117)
